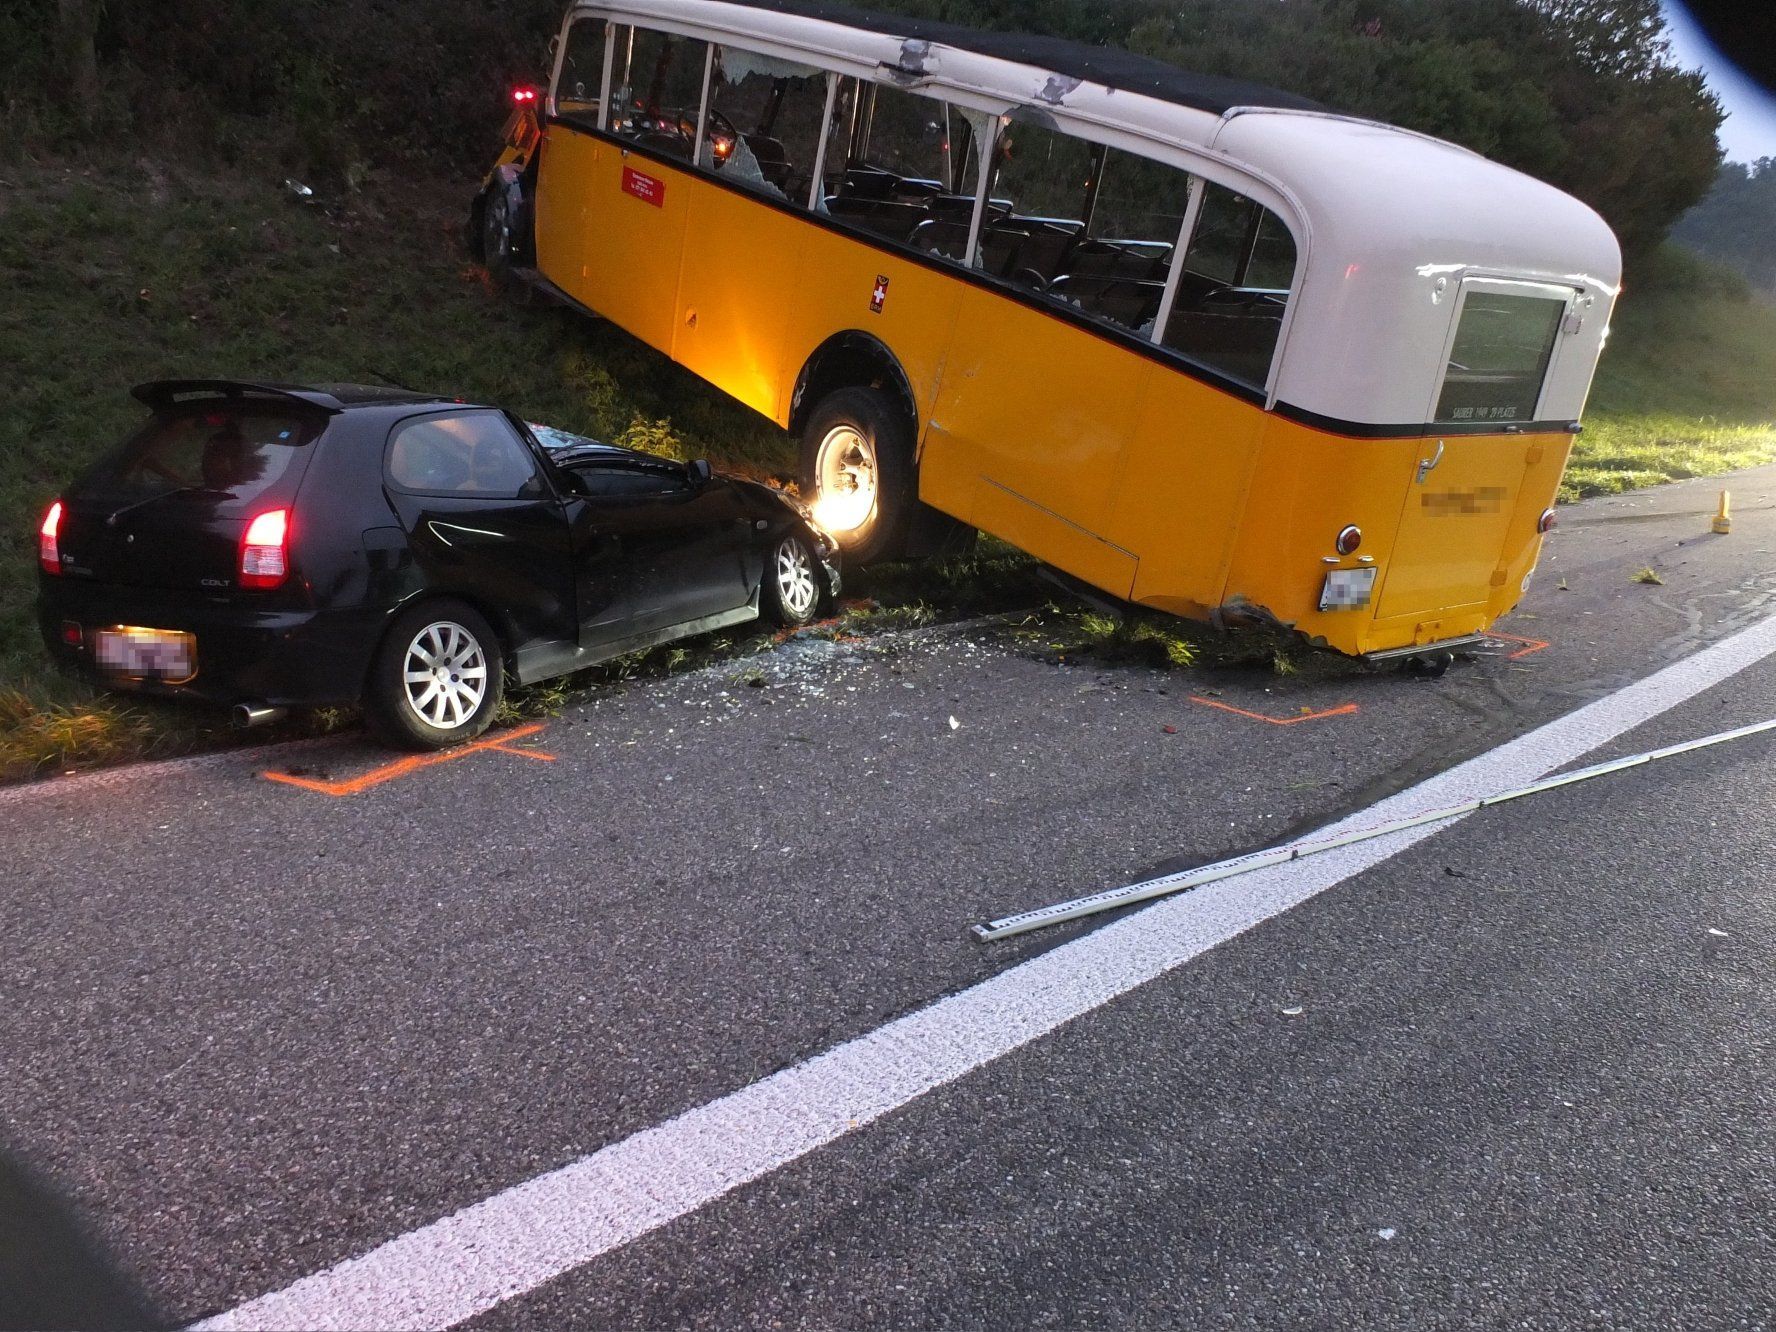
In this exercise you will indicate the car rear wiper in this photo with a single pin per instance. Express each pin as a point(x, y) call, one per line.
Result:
point(111, 520)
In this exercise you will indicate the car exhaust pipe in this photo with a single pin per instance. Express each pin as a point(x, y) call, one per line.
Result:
point(247, 715)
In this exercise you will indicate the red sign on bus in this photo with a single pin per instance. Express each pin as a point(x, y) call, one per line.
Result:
point(645, 188)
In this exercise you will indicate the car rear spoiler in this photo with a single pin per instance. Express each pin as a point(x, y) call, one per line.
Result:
point(160, 394)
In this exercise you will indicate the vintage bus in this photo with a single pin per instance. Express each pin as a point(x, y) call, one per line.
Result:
point(1200, 344)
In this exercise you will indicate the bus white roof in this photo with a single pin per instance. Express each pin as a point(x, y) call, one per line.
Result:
point(1379, 213)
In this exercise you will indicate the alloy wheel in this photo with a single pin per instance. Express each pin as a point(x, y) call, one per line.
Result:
point(795, 578)
point(444, 675)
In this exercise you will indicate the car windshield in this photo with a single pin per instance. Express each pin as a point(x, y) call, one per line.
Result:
point(555, 440)
point(236, 450)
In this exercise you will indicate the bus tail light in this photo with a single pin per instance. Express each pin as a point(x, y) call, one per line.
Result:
point(1546, 522)
point(265, 550)
point(1348, 540)
point(525, 94)
point(49, 546)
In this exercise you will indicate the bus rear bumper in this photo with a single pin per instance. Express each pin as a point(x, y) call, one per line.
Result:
point(1421, 649)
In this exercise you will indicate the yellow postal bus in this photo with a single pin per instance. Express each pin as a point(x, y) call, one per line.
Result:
point(1200, 344)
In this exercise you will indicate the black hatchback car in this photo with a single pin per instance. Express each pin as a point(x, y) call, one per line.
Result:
point(269, 547)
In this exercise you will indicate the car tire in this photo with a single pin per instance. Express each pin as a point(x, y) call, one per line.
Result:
point(861, 437)
point(502, 239)
point(438, 677)
point(790, 595)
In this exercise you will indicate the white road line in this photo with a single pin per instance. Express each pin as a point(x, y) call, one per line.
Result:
point(515, 1241)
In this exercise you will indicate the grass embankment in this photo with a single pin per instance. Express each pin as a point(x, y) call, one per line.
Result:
point(1687, 386)
point(130, 272)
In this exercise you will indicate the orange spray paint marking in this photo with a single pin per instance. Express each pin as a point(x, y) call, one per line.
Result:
point(1531, 645)
point(403, 767)
point(1342, 710)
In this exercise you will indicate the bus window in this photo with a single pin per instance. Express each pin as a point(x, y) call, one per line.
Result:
point(764, 122)
point(581, 80)
point(1499, 357)
point(1082, 223)
point(897, 161)
point(1237, 273)
point(656, 89)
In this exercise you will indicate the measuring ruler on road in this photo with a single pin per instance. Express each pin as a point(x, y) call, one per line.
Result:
point(1109, 900)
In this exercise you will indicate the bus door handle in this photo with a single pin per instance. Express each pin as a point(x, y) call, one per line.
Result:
point(1427, 465)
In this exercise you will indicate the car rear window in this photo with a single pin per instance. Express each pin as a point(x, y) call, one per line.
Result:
point(235, 452)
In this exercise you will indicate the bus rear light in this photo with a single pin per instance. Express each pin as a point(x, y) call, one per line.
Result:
point(265, 550)
point(72, 634)
point(1348, 540)
point(525, 95)
point(1546, 522)
point(49, 546)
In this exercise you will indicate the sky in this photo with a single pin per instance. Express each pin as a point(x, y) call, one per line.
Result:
point(1750, 129)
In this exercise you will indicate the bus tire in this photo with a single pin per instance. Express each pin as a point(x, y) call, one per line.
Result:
point(858, 470)
point(504, 241)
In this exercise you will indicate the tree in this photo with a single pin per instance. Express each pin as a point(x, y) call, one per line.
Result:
point(1736, 223)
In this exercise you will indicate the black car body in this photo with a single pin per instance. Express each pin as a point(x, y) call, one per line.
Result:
point(389, 500)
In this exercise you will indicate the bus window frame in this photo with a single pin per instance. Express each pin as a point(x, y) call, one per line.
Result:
point(1492, 284)
point(1203, 167)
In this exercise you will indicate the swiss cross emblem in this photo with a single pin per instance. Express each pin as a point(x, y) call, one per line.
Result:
point(879, 295)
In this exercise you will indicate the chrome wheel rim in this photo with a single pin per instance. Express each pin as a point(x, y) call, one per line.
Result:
point(444, 675)
point(795, 578)
point(846, 475)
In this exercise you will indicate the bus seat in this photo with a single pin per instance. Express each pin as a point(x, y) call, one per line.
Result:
point(942, 236)
point(1233, 331)
point(884, 217)
point(1097, 258)
point(1131, 302)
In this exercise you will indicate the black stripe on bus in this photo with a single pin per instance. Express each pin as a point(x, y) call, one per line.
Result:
point(1127, 340)
point(1334, 425)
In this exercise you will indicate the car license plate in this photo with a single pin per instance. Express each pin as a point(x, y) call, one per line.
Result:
point(148, 654)
point(1347, 589)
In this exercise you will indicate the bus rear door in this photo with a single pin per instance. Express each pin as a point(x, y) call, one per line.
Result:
point(1461, 535)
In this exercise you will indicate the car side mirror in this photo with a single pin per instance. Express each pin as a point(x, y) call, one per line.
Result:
point(699, 471)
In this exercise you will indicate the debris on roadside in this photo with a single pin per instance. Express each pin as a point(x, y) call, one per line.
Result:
point(1647, 575)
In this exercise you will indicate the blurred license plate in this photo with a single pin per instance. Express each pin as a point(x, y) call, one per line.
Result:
point(148, 654)
point(1346, 589)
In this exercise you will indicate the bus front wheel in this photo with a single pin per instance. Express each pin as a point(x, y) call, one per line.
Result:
point(857, 466)
point(504, 242)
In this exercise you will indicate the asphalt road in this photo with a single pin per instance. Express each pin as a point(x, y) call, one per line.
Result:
point(1515, 1075)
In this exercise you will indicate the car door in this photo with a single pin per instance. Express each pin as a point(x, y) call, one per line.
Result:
point(655, 548)
point(483, 524)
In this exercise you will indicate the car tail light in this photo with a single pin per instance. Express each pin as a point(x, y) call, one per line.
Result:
point(265, 550)
point(1348, 540)
point(1546, 522)
point(49, 546)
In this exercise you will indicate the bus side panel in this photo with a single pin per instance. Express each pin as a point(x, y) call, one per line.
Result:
point(1523, 547)
point(1028, 436)
point(627, 216)
point(838, 280)
point(563, 185)
point(736, 290)
point(1183, 485)
point(1308, 485)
